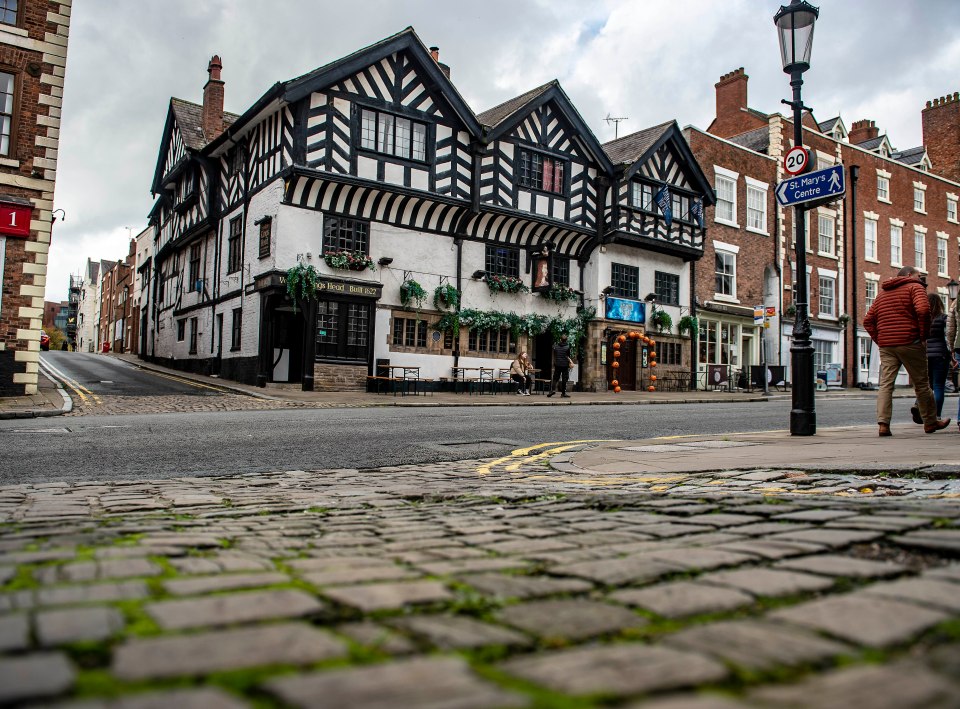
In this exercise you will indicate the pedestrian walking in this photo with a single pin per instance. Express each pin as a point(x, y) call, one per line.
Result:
point(521, 373)
point(899, 322)
point(562, 364)
point(939, 355)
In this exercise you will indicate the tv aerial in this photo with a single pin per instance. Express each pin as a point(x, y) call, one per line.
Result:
point(616, 123)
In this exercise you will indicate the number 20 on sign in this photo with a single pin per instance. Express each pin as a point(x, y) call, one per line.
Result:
point(796, 160)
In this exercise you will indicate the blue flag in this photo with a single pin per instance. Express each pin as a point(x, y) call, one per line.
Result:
point(663, 201)
point(697, 211)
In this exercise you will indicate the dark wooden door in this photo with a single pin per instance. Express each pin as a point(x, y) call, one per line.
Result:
point(626, 374)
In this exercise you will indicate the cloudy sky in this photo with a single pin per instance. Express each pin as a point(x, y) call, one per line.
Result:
point(647, 60)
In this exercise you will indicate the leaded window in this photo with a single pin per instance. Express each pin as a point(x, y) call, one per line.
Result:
point(541, 172)
point(502, 261)
point(234, 252)
point(495, 341)
point(409, 332)
point(561, 271)
point(667, 288)
point(625, 280)
point(193, 335)
point(393, 135)
point(343, 234)
point(236, 329)
point(194, 268)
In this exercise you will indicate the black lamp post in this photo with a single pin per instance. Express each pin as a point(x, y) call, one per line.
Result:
point(795, 29)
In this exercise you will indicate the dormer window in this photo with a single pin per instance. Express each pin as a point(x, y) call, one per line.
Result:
point(393, 135)
point(541, 172)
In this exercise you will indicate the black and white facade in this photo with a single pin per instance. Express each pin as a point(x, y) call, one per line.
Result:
point(378, 154)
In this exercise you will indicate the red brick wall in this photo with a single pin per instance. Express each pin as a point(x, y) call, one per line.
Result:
point(732, 117)
point(941, 135)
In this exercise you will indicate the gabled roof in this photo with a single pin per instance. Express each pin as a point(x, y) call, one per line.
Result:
point(631, 151)
point(757, 140)
point(873, 144)
point(510, 113)
point(630, 148)
point(496, 115)
point(910, 156)
point(828, 125)
point(188, 117)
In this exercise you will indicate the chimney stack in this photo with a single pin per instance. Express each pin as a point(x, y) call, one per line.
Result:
point(435, 53)
point(941, 135)
point(731, 117)
point(213, 101)
point(862, 131)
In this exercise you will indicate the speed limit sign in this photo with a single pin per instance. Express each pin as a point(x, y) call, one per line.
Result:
point(796, 160)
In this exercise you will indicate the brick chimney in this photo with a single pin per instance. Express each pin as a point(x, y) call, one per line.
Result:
point(732, 117)
point(213, 101)
point(862, 131)
point(435, 53)
point(941, 135)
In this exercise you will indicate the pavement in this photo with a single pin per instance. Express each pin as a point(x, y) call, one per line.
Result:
point(50, 400)
point(688, 572)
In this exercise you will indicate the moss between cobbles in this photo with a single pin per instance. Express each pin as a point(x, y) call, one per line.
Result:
point(90, 655)
point(23, 579)
point(138, 621)
point(540, 698)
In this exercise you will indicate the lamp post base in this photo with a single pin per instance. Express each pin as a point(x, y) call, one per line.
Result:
point(803, 423)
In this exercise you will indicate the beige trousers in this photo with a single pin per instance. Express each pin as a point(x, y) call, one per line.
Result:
point(914, 360)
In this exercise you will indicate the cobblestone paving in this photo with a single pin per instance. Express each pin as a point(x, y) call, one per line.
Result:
point(470, 585)
point(107, 405)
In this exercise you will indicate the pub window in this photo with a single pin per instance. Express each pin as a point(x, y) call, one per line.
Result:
point(234, 255)
point(236, 328)
point(193, 335)
point(669, 353)
point(7, 86)
point(667, 288)
point(181, 330)
point(342, 234)
point(625, 280)
point(494, 341)
point(408, 332)
point(642, 196)
point(502, 261)
point(393, 135)
point(561, 271)
point(541, 172)
point(8, 11)
point(194, 268)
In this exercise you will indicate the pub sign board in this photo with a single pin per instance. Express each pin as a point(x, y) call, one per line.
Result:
point(15, 219)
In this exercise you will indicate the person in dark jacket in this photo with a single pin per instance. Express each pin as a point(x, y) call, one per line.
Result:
point(561, 367)
point(938, 355)
point(899, 322)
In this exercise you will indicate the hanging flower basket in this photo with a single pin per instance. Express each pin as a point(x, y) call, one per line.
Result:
point(662, 320)
point(412, 292)
point(349, 260)
point(687, 324)
point(560, 293)
point(446, 296)
point(302, 282)
point(506, 284)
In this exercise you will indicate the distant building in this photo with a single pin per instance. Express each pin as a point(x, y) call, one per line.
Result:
point(116, 288)
point(88, 306)
point(33, 53)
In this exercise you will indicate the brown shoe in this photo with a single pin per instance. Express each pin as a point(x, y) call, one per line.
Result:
point(885, 430)
point(938, 426)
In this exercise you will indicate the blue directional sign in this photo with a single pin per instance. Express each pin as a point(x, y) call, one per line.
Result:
point(823, 184)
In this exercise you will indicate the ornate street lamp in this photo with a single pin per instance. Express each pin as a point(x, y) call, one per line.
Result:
point(795, 24)
point(953, 288)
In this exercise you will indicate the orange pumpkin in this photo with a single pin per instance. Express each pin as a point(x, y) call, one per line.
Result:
point(652, 364)
point(653, 353)
point(622, 338)
point(615, 383)
point(616, 354)
point(653, 377)
point(615, 365)
point(634, 335)
point(651, 388)
point(616, 390)
point(616, 345)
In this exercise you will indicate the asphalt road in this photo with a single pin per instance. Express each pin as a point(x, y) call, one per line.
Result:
point(191, 444)
point(108, 375)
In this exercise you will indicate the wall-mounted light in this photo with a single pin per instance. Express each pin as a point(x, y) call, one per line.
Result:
point(385, 260)
point(651, 297)
point(265, 219)
point(53, 215)
point(605, 292)
point(478, 275)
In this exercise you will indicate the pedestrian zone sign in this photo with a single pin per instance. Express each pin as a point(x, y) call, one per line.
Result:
point(826, 184)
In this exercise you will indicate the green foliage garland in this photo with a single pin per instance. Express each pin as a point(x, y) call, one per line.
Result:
point(446, 296)
point(530, 325)
point(505, 284)
point(302, 282)
point(560, 293)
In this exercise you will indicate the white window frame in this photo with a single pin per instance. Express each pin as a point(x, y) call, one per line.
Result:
point(733, 251)
point(761, 189)
point(952, 201)
point(821, 219)
point(868, 282)
point(920, 254)
point(896, 227)
point(864, 345)
point(870, 218)
point(883, 186)
point(943, 254)
point(920, 197)
point(722, 173)
point(825, 276)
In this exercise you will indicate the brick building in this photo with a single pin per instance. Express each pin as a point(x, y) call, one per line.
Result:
point(33, 50)
point(116, 317)
point(906, 214)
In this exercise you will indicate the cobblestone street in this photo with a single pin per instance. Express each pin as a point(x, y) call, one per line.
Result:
point(485, 583)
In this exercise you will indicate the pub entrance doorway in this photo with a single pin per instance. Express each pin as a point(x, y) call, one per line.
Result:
point(626, 373)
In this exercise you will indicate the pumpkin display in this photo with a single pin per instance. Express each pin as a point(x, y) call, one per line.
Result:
point(616, 390)
point(615, 383)
point(615, 365)
point(616, 345)
point(616, 354)
point(622, 338)
point(651, 388)
point(653, 377)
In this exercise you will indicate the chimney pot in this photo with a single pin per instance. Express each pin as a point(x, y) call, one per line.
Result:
point(435, 53)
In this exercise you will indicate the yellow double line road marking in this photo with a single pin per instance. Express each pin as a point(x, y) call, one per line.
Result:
point(78, 388)
point(190, 382)
point(521, 456)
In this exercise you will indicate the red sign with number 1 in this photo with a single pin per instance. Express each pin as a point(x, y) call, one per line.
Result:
point(15, 219)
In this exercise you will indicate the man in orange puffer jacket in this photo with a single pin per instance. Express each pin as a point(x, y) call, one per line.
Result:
point(899, 322)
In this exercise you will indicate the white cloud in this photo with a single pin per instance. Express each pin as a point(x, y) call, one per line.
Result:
point(650, 61)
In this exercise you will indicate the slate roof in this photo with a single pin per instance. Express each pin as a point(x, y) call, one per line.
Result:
point(873, 143)
point(190, 120)
point(829, 124)
point(492, 116)
point(757, 139)
point(910, 156)
point(631, 148)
